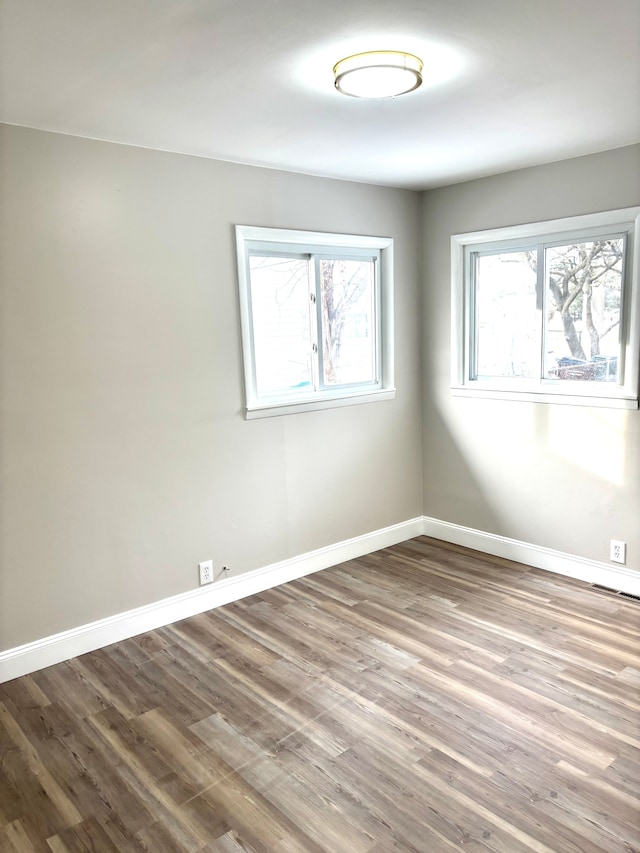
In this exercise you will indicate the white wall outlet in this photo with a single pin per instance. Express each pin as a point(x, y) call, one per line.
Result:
point(206, 572)
point(618, 551)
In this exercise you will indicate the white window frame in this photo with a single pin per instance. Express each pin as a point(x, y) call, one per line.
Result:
point(254, 238)
point(624, 222)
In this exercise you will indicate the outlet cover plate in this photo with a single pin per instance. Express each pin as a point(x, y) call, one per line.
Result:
point(206, 572)
point(618, 551)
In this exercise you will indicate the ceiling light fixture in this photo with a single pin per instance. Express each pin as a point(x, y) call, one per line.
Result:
point(378, 74)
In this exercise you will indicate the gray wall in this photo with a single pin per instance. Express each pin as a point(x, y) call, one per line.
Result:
point(564, 477)
point(125, 456)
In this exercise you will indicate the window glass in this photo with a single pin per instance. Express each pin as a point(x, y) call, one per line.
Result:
point(348, 321)
point(281, 330)
point(583, 310)
point(507, 338)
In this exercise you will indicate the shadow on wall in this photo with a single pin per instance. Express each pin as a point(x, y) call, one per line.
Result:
point(452, 490)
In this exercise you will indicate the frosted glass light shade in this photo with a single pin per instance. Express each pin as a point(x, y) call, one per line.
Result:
point(378, 74)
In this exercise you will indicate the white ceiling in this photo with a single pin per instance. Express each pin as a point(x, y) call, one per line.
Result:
point(508, 83)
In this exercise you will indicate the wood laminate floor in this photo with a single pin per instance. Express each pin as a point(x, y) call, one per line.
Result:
point(423, 698)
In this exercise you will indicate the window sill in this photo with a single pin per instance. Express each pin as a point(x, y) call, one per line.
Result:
point(617, 402)
point(270, 410)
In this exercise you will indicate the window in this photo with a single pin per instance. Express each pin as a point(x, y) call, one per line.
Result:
point(317, 319)
point(549, 311)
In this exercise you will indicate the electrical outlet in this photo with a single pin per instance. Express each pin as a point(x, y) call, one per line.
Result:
point(206, 572)
point(618, 551)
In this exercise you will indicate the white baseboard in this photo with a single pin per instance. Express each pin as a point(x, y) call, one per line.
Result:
point(615, 577)
point(87, 638)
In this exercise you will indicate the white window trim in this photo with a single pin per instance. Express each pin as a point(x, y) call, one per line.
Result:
point(308, 241)
point(624, 396)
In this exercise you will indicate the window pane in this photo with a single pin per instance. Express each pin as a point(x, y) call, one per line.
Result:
point(507, 339)
point(348, 321)
point(582, 314)
point(281, 330)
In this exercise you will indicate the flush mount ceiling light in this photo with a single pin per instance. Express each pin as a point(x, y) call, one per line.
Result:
point(378, 74)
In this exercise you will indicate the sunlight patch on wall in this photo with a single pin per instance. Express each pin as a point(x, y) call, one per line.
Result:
point(591, 439)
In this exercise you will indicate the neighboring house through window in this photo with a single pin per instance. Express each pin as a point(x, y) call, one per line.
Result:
point(317, 319)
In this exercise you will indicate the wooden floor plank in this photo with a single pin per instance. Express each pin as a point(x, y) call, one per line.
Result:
point(425, 698)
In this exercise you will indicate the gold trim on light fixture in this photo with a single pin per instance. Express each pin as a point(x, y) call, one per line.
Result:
point(378, 74)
